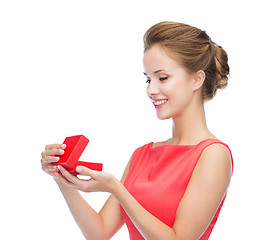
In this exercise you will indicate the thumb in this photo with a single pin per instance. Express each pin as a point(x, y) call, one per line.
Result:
point(85, 171)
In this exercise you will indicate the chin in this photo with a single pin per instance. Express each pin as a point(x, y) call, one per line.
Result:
point(162, 117)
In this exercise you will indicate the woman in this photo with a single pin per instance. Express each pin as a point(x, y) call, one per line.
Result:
point(172, 189)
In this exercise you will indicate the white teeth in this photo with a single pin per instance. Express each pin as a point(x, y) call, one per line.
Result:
point(156, 103)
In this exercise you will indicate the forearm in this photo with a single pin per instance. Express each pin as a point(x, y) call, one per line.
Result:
point(148, 225)
point(85, 216)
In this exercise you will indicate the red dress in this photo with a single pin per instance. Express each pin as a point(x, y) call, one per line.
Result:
point(158, 177)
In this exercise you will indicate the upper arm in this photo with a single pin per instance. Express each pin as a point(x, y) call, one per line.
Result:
point(204, 193)
point(111, 212)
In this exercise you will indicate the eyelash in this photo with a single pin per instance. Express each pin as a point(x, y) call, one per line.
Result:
point(161, 79)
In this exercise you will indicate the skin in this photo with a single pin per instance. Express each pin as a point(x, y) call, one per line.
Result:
point(209, 181)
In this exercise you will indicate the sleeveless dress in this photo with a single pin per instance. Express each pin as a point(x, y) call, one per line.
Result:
point(158, 177)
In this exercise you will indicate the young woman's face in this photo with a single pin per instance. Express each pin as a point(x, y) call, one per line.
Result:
point(170, 86)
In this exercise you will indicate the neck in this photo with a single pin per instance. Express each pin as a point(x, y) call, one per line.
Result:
point(190, 127)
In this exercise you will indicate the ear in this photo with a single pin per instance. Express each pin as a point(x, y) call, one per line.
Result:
point(198, 80)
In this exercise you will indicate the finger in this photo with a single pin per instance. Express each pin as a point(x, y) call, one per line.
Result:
point(49, 159)
point(53, 152)
point(50, 168)
point(87, 172)
point(59, 177)
point(55, 146)
point(69, 176)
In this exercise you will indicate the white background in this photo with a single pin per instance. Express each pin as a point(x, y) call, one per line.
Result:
point(75, 67)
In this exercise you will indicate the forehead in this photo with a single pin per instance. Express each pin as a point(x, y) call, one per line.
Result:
point(157, 57)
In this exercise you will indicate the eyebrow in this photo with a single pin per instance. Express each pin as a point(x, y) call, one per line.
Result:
point(157, 71)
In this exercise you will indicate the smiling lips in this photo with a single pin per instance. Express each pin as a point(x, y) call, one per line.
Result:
point(159, 103)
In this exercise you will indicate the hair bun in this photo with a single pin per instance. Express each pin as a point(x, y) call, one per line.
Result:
point(222, 67)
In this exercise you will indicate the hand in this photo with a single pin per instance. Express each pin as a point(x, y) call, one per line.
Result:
point(98, 182)
point(49, 156)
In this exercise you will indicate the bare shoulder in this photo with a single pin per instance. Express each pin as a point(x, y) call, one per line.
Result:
point(217, 151)
point(216, 157)
point(217, 148)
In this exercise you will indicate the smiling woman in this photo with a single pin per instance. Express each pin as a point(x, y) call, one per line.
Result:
point(172, 189)
point(167, 86)
point(193, 49)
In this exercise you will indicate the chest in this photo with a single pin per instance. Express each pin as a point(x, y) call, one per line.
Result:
point(158, 180)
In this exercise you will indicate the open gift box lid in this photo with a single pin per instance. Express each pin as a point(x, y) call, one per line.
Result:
point(75, 146)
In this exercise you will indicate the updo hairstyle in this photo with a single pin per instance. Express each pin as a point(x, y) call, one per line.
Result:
point(195, 50)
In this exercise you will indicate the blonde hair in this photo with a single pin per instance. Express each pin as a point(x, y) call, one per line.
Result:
point(195, 50)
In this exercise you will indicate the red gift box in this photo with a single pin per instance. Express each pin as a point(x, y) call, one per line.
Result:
point(75, 145)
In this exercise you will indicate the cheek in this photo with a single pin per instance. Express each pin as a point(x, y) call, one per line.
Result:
point(183, 95)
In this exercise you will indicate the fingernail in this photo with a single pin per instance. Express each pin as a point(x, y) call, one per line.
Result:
point(61, 151)
point(63, 146)
point(78, 169)
point(56, 159)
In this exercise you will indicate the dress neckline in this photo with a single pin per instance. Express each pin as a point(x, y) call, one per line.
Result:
point(177, 145)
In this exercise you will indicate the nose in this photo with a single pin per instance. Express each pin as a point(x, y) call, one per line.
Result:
point(152, 89)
